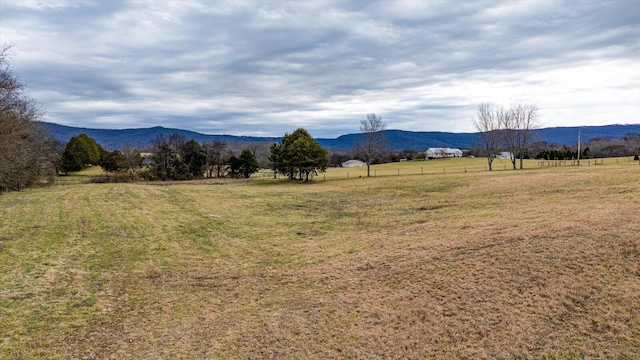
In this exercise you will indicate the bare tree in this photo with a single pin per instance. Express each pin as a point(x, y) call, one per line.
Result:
point(27, 153)
point(11, 89)
point(508, 132)
point(132, 159)
point(261, 151)
point(512, 129)
point(374, 141)
point(488, 126)
point(217, 157)
point(518, 124)
point(527, 125)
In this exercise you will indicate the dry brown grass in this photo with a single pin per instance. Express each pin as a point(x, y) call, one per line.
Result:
point(506, 265)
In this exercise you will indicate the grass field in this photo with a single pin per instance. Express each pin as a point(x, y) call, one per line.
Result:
point(542, 263)
point(451, 165)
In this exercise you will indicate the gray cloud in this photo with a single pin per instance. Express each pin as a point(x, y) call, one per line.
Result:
point(265, 68)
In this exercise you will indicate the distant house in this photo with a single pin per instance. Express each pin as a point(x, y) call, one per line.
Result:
point(438, 153)
point(146, 158)
point(353, 163)
point(504, 155)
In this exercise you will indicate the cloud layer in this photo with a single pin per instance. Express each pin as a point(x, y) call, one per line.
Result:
point(265, 68)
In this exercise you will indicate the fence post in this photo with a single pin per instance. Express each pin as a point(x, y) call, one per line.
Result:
point(347, 174)
point(421, 170)
point(398, 172)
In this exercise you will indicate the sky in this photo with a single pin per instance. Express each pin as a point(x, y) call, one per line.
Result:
point(265, 68)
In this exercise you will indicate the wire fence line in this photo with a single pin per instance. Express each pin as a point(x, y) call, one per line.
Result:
point(434, 169)
point(586, 162)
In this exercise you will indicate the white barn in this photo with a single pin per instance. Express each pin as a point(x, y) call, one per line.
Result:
point(353, 163)
point(438, 153)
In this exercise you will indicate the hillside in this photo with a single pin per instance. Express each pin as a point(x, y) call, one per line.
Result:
point(397, 139)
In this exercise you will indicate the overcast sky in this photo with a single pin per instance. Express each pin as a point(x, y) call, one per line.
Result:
point(264, 68)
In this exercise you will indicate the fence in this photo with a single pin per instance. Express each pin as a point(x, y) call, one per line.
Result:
point(447, 166)
point(586, 162)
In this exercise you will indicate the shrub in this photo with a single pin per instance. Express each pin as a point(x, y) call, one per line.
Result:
point(119, 177)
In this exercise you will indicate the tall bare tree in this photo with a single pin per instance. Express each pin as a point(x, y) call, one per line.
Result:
point(27, 154)
point(508, 131)
point(526, 123)
point(488, 126)
point(518, 124)
point(374, 141)
point(512, 129)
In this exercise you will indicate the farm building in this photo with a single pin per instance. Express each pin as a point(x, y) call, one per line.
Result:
point(504, 155)
point(353, 163)
point(437, 153)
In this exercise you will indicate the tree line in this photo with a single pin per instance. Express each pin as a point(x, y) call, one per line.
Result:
point(173, 158)
point(298, 156)
point(629, 145)
point(169, 157)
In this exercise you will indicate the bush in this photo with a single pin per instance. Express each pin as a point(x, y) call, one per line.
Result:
point(119, 177)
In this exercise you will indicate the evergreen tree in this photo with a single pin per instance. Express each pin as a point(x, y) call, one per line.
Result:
point(298, 155)
point(195, 158)
point(244, 165)
point(113, 161)
point(81, 151)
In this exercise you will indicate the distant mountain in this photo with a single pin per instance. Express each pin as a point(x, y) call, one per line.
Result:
point(569, 135)
point(402, 140)
point(397, 139)
point(139, 137)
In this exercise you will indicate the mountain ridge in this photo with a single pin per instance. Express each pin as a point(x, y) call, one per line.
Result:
point(397, 139)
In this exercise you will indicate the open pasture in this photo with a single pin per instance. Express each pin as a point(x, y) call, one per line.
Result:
point(541, 263)
point(457, 165)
